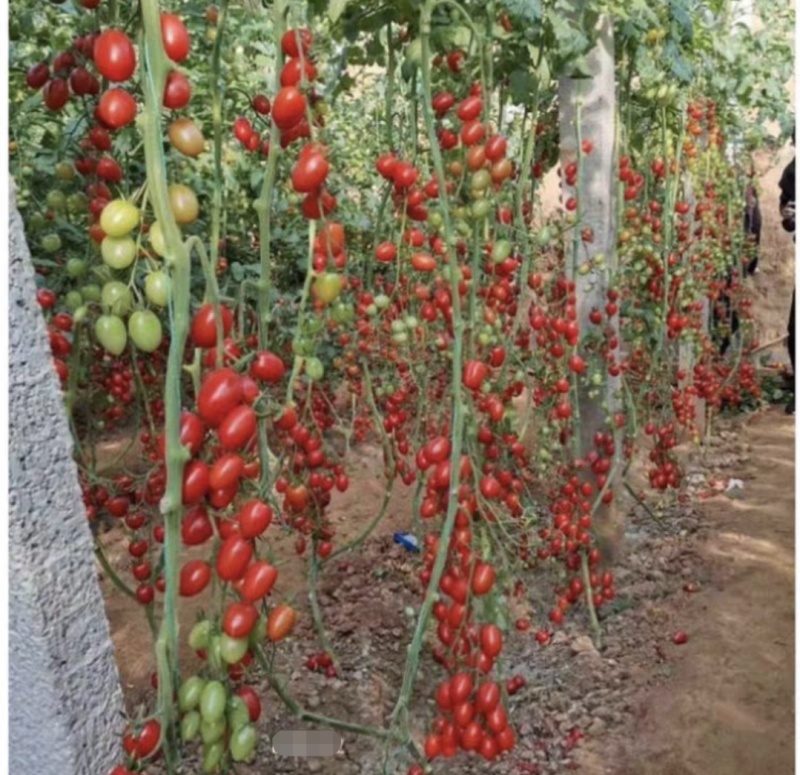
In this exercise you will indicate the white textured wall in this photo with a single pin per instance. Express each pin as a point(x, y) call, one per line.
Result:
point(65, 699)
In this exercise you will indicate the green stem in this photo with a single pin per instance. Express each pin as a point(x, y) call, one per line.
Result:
point(400, 711)
point(177, 260)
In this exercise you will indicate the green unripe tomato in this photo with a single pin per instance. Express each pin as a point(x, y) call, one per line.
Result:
point(110, 332)
point(314, 326)
point(116, 298)
point(80, 315)
point(36, 222)
point(480, 209)
point(51, 243)
point(156, 288)
point(76, 203)
point(343, 313)
point(212, 731)
point(56, 200)
point(480, 181)
point(118, 252)
point(238, 714)
point(212, 756)
point(314, 369)
point(232, 650)
point(73, 300)
point(215, 653)
point(92, 292)
point(75, 268)
point(435, 220)
point(501, 251)
point(243, 743)
point(400, 337)
point(190, 692)
point(199, 635)
point(213, 700)
point(65, 171)
point(190, 726)
point(144, 329)
point(119, 218)
point(382, 301)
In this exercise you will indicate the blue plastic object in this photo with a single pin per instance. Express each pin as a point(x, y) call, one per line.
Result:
point(407, 541)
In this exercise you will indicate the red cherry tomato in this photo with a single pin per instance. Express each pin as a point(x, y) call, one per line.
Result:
point(233, 558)
point(220, 393)
point(114, 55)
point(175, 37)
point(194, 578)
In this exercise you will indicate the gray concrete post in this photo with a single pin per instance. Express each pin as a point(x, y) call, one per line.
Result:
point(66, 710)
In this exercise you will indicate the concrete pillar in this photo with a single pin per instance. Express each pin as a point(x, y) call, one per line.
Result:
point(66, 710)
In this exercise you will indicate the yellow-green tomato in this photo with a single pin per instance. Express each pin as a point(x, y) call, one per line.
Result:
point(199, 635)
point(190, 692)
point(232, 650)
point(110, 332)
point(211, 731)
point(480, 181)
point(116, 298)
point(327, 287)
point(144, 329)
point(156, 288)
point(213, 701)
point(119, 218)
point(212, 756)
point(190, 726)
point(243, 743)
point(183, 203)
point(65, 171)
point(118, 252)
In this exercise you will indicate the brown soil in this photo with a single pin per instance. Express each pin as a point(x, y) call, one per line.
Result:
point(728, 705)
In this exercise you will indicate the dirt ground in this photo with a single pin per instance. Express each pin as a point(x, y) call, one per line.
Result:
point(728, 705)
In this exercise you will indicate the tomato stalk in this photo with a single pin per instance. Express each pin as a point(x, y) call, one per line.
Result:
point(178, 262)
point(263, 207)
point(216, 116)
point(390, 70)
point(142, 389)
point(391, 472)
point(400, 710)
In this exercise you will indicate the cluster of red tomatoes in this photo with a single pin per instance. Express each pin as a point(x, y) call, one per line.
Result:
point(472, 715)
point(59, 325)
point(667, 471)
